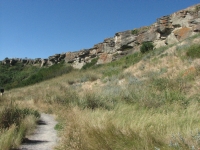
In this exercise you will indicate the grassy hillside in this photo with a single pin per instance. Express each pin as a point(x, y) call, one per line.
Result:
point(143, 101)
point(20, 75)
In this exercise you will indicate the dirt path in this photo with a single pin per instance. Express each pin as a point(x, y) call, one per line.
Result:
point(44, 137)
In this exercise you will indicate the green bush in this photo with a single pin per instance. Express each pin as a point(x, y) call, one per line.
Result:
point(46, 73)
point(90, 64)
point(19, 75)
point(58, 126)
point(193, 51)
point(94, 101)
point(14, 115)
point(135, 31)
point(146, 46)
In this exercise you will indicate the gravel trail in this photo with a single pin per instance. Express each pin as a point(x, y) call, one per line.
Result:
point(44, 137)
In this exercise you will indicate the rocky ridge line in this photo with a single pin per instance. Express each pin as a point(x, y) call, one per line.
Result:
point(166, 30)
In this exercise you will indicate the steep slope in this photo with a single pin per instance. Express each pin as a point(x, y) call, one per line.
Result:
point(142, 101)
point(166, 30)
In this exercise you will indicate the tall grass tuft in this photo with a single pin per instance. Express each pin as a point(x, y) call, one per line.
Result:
point(15, 122)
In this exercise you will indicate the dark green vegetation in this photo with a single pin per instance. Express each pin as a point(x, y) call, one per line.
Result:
point(19, 75)
point(193, 51)
point(135, 31)
point(14, 115)
point(146, 46)
point(114, 67)
point(90, 64)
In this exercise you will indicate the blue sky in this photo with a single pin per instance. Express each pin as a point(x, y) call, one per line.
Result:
point(40, 28)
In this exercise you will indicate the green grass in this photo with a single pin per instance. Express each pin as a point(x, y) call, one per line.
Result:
point(135, 31)
point(90, 64)
point(47, 73)
point(19, 75)
point(58, 126)
point(116, 67)
point(193, 51)
point(11, 76)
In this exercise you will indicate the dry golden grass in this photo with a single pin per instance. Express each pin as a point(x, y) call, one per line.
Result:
point(12, 134)
point(129, 127)
point(150, 105)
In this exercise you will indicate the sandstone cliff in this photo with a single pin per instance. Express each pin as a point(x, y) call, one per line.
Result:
point(166, 30)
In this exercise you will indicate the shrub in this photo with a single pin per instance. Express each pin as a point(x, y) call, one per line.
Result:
point(88, 76)
point(13, 115)
point(47, 73)
point(93, 101)
point(19, 76)
point(58, 126)
point(90, 64)
point(135, 31)
point(146, 46)
point(193, 51)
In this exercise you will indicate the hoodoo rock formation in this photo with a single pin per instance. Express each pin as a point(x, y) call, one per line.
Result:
point(166, 30)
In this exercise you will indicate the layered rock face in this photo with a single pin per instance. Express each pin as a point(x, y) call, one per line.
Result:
point(166, 30)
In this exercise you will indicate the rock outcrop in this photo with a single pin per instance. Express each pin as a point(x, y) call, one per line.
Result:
point(166, 30)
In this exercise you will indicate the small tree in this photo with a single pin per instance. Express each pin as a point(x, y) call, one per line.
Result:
point(146, 46)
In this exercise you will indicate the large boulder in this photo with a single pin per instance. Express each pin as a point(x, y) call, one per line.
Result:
point(124, 38)
point(78, 63)
point(181, 18)
point(171, 39)
point(70, 57)
point(159, 43)
point(83, 53)
point(164, 24)
point(108, 46)
point(93, 52)
point(149, 34)
point(105, 58)
point(182, 33)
